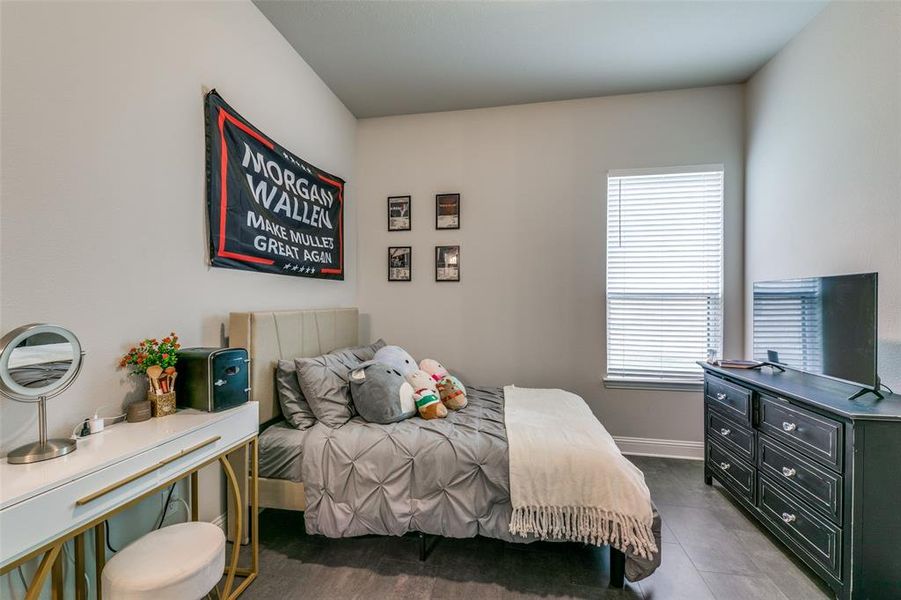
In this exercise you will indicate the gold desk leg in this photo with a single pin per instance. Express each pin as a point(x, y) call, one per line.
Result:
point(246, 470)
point(236, 544)
point(37, 582)
point(81, 592)
point(238, 459)
point(99, 556)
point(57, 590)
point(254, 507)
point(195, 490)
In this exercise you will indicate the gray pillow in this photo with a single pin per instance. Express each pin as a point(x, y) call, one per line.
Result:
point(380, 393)
point(361, 353)
point(324, 382)
point(296, 410)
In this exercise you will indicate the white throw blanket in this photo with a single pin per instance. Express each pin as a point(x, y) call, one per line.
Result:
point(568, 480)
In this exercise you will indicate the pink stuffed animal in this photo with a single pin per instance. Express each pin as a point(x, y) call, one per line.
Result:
point(453, 394)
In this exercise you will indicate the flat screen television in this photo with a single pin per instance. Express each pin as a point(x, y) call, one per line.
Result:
point(822, 325)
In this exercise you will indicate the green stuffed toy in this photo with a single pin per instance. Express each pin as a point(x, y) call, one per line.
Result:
point(453, 394)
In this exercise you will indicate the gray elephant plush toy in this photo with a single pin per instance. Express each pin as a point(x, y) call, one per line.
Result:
point(380, 393)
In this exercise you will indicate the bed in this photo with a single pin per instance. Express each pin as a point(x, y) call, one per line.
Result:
point(446, 477)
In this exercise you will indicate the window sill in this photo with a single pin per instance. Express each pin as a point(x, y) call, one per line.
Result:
point(616, 383)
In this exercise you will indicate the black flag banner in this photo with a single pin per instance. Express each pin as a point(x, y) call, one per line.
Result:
point(268, 209)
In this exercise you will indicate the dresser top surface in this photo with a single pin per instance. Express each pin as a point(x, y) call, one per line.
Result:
point(114, 444)
point(817, 391)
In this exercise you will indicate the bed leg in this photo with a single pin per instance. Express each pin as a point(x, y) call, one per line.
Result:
point(422, 547)
point(617, 568)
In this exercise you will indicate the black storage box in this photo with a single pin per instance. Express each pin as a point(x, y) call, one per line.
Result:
point(212, 379)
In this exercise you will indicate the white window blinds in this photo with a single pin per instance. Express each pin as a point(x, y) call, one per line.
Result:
point(788, 317)
point(664, 272)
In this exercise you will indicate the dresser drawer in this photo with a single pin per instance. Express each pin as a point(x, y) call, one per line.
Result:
point(816, 436)
point(822, 489)
point(731, 436)
point(731, 471)
point(820, 539)
point(733, 400)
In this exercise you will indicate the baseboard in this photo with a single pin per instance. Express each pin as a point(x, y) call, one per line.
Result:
point(663, 448)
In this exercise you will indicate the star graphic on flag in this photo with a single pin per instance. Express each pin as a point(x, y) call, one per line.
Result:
point(295, 267)
point(287, 266)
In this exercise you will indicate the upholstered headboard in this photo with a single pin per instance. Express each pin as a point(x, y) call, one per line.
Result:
point(271, 336)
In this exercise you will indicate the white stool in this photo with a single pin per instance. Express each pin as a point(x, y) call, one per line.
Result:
point(181, 562)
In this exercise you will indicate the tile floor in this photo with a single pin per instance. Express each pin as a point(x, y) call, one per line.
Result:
point(711, 550)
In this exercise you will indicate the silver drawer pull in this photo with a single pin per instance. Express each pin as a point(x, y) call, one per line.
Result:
point(721, 396)
point(788, 517)
point(788, 426)
point(725, 466)
point(788, 472)
point(725, 431)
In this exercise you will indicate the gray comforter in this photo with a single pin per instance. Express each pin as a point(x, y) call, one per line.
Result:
point(446, 477)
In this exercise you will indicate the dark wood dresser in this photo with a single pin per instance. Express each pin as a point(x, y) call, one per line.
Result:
point(822, 473)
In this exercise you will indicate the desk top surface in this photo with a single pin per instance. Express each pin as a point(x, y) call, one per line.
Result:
point(114, 444)
point(818, 391)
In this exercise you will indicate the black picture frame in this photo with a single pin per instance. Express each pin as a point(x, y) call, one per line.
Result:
point(447, 270)
point(396, 221)
point(396, 270)
point(447, 211)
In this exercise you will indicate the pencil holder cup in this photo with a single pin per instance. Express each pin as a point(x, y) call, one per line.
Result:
point(162, 404)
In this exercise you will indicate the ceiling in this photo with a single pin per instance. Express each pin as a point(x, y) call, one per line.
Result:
point(389, 58)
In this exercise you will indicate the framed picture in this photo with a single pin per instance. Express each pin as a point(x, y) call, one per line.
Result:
point(447, 211)
point(400, 263)
point(447, 263)
point(399, 213)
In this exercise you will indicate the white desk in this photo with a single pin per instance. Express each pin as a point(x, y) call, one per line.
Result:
point(45, 504)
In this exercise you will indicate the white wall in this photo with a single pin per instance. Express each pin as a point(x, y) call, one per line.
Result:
point(103, 183)
point(530, 308)
point(103, 222)
point(824, 160)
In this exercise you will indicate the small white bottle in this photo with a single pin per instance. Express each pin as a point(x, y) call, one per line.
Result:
point(95, 424)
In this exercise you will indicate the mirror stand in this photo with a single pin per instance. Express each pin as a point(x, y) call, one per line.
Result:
point(43, 449)
point(38, 362)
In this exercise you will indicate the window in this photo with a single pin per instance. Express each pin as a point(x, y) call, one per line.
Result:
point(664, 273)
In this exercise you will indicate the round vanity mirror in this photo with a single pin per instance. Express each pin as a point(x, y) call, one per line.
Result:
point(37, 362)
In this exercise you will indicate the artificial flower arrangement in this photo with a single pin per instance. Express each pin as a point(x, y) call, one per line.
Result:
point(156, 359)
